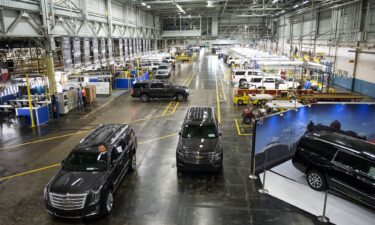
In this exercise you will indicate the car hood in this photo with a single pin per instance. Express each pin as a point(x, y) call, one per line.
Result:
point(199, 145)
point(75, 182)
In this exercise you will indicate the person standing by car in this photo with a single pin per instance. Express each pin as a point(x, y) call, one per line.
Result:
point(84, 96)
point(80, 101)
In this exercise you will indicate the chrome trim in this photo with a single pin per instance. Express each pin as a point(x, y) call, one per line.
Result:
point(67, 201)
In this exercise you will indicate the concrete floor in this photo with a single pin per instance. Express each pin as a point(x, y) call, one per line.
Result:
point(155, 193)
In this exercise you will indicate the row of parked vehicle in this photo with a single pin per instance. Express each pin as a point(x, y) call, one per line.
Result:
point(257, 79)
point(161, 67)
point(93, 171)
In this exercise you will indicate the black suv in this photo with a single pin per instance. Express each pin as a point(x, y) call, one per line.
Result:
point(91, 173)
point(159, 89)
point(337, 161)
point(199, 146)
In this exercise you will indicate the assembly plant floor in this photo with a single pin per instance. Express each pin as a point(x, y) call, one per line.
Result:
point(155, 193)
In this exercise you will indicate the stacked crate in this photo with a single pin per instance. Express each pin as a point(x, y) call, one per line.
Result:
point(90, 94)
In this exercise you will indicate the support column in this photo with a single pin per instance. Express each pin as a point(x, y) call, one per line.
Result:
point(215, 27)
point(49, 65)
point(109, 16)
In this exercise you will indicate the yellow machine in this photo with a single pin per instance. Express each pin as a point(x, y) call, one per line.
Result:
point(183, 58)
point(241, 99)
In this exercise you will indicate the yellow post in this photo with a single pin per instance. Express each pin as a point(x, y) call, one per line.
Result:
point(30, 102)
point(137, 61)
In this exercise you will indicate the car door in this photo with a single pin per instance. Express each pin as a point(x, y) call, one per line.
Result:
point(269, 83)
point(350, 174)
point(157, 90)
point(115, 166)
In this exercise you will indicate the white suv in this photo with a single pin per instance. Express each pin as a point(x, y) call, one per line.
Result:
point(243, 76)
point(269, 82)
point(163, 71)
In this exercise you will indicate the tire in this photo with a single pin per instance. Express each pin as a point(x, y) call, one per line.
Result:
point(180, 97)
point(240, 102)
point(316, 180)
point(107, 203)
point(144, 98)
point(247, 120)
point(133, 162)
point(242, 82)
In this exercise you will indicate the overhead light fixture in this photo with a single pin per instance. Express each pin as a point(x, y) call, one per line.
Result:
point(274, 1)
point(144, 4)
point(305, 2)
point(282, 11)
point(180, 8)
point(148, 6)
point(209, 4)
point(295, 6)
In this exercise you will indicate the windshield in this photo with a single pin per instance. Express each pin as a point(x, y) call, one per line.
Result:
point(163, 67)
point(197, 131)
point(86, 161)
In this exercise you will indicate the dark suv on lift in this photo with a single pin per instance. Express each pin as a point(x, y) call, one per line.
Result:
point(159, 89)
point(199, 146)
point(339, 162)
point(91, 173)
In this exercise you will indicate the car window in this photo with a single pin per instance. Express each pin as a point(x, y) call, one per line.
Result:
point(240, 73)
point(86, 161)
point(198, 131)
point(115, 154)
point(354, 162)
point(256, 80)
point(320, 148)
point(140, 85)
point(269, 80)
point(157, 85)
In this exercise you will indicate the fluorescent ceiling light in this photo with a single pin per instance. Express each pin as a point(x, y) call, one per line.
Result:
point(304, 2)
point(282, 11)
point(209, 4)
point(179, 8)
point(144, 4)
point(274, 1)
point(148, 6)
point(295, 6)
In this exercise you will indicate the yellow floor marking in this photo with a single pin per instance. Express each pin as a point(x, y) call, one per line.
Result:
point(218, 103)
point(174, 109)
point(239, 131)
point(30, 171)
point(46, 139)
point(166, 108)
point(58, 164)
point(72, 134)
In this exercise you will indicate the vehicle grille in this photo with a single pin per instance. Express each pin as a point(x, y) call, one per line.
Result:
point(192, 157)
point(68, 201)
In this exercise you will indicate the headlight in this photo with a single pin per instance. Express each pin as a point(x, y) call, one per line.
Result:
point(45, 194)
point(95, 196)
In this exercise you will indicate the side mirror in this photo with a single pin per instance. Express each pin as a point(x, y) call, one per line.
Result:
point(179, 133)
point(62, 162)
point(220, 134)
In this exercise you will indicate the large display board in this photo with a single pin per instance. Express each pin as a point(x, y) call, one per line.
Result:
point(86, 51)
point(103, 52)
point(77, 52)
point(275, 137)
point(95, 52)
point(66, 54)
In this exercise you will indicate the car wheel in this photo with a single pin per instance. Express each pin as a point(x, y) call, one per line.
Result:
point(180, 97)
point(133, 162)
point(107, 204)
point(242, 82)
point(247, 120)
point(144, 98)
point(316, 180)
point(240, 102)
